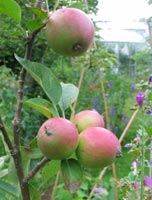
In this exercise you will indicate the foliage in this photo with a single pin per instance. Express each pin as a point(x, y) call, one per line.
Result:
point(50, 89)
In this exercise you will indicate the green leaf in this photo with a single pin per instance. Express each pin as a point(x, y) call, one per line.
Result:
point(72, 174)
point(34, 24)
point(69, 95)
point(50, 169)
point(44, 77)
point(148, 130)
point(150, 95)
point(34, 193)
point(43, 106)
point(8, 188)
point(3, 173)
point(40, 13)
point(32, 151)
point(3, 160)
point(11, 8)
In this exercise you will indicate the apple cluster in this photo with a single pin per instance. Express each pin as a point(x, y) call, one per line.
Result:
point(95, 146)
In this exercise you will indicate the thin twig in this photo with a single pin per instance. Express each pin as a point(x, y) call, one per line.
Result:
point(79, 87)
point(129, 124)
point(108, 126)
point(55, 185)
point(104, 99)
point(38, 166)
point(6, 137)
point(99, 179)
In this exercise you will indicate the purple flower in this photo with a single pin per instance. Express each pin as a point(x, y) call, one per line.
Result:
point(136, 185)
point(137, 161)
point(116, 130)
point(124, 119)
point(112, 113)
point(149, 112)
point(26, 91)
point(111, 84)
point(134, 164)
point(150, 148)
point(100, 191)
point(140, 98)
point(103, 191)
point(150, 162)
point(133, 88)
point(96, 103)
point(148, 181)
point(150, 79)
point(128, 146)
point(138, 136)
point(96, 190)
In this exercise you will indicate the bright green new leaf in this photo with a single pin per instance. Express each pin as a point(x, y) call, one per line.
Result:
point(69, 95)
point(43, 106)
point(72, 174)
point(11, 8)
point(44, 77)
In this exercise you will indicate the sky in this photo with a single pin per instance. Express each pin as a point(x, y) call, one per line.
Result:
point(122, 12)
point(122, 16)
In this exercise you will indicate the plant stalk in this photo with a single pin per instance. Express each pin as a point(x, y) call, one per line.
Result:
point(16, 122)
point(142, 166)
point(108, 126)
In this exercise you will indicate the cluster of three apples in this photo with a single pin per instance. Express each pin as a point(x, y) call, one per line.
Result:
point(95, 147)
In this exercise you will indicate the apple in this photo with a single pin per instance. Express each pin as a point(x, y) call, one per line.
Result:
point(57, 138)
point(98, 147)
point(69, 31)
point(88, 118)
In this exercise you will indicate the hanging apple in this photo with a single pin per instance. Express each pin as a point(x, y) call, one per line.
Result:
point(98, 147)
point(69, 31)
point(57, 138)
point(88, 118)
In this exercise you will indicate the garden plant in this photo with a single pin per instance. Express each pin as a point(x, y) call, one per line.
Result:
point(65, 115)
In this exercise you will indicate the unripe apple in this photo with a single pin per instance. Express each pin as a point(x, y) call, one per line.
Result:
point(69, 31)
point(88, 118)
point(98, 147)
point(57, 138)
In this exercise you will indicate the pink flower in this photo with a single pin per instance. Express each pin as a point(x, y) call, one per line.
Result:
point(148, 181)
